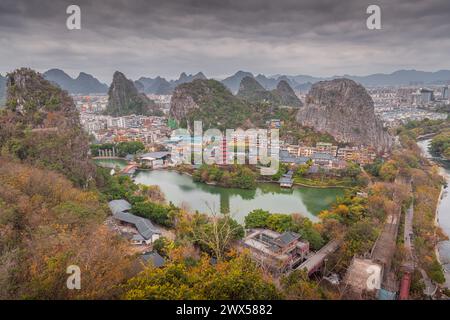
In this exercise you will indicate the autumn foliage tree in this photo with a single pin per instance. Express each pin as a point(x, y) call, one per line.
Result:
point(237, 278)
point(46, 225)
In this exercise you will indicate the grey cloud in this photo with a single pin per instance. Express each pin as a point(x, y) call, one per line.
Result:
point(141, 37)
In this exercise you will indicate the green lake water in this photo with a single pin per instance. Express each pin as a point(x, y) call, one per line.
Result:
point(181, 190)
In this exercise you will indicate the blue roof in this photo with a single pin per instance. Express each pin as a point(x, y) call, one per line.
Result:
point(323, 156)
point(286, 157)
point(285, 180)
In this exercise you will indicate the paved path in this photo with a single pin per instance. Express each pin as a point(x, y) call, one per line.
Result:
point(408, 262)
point(314, 262)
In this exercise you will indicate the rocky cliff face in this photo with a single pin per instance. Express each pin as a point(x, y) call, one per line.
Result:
point(286, 95)
point(125, 99)
point(345, 110)
point(182, 103)
point(252, 91)
point(41, 126)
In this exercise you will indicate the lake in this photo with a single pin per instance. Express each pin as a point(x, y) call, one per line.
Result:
point(181, 190)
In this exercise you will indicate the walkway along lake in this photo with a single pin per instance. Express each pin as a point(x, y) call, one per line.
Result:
point(181, 190)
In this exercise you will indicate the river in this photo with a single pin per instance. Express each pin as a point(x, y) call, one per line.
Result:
point(181, 190)
point(443, 211)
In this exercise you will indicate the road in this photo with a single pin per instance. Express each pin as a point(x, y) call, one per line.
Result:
point(408, 262)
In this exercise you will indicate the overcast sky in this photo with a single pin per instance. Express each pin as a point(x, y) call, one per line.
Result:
point(220, 37)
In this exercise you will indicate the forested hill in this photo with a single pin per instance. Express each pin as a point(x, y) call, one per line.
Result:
point(212, 103)
point(41, 126)
point(46, 225)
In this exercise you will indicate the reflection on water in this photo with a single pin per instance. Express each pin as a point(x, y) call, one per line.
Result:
point(183, 191)
point(111, 163)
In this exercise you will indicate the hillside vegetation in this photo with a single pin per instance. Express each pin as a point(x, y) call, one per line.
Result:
point(46, 224)
point(41, 126)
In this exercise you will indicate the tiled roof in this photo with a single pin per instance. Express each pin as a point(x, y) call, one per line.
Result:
point(117, 206)
point(287, 237)
point(323, 156)
point(155, 258)
point(144, 226)
point(155, 155)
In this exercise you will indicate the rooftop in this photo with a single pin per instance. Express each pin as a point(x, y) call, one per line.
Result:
point(117, 206)
point(154, 258)
point(155, 155)
point(269, 241)
point(144, 226)
point(323, 156)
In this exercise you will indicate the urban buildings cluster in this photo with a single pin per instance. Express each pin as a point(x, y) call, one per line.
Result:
point(327, 155)
point(398, 105)
point(106, 129)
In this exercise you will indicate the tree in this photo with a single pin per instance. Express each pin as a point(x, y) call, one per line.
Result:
point(302, 170)
point(297, 286)
point(158, 213)
point(360, 238)
point(161, 245)
point(257, 219)
point(352, 170)
point(153, 193)
point(374, 168)
point(388, 171)
point(215, 233)
point(235, 278)
point(47, 225)
point(279, 222)
point(441, 144)
point(307, 230)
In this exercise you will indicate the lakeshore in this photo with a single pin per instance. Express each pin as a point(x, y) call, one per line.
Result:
point(182, 190)
point(442, 215)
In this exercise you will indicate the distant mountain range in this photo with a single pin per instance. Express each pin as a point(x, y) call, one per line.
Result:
point(86, 83)
point(160, 85)
point(252, 91)
point(269, 83)
point(83, 84)
point(304, 82)
point(400, 77)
